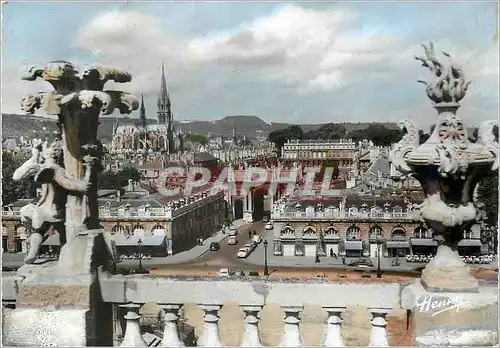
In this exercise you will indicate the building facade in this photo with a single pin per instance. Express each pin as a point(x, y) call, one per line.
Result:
point(314, 152)
point(182, 220)
point(357, 227)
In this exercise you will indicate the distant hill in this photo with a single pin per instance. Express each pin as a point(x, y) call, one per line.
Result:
point(35, 126)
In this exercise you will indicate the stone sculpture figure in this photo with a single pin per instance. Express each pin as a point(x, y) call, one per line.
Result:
point(448, 166)
point(77, 101)
point(55, 183)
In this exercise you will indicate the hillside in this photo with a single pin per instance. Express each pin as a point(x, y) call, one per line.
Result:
point(34, 126)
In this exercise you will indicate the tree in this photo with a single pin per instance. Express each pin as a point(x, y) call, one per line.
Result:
point(115, 181)
point(197, 138)
point(280, 137)
point(13, 190)
point(487, 196)
point(378, 134)
point(329, 131)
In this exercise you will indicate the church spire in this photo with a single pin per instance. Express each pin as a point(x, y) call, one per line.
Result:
point(165, 116)
point(142, 111)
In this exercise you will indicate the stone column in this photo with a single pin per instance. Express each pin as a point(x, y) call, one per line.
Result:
point(378, 336)
point(133, 336)
point(171, 330)
point(210, 336)
point(251, 337)
point(332, 337)
point(291, 332)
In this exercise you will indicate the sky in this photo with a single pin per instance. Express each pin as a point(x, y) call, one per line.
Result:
point(297, 62)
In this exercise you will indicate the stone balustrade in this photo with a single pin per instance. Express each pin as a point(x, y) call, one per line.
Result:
point(277, 215)
point(170, 294)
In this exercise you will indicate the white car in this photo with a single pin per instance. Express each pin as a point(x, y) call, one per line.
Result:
point(269, 226)
point(232, 230)
point(242, 253)
point(232, 240)
point(250, 246)
point(224, 272)
point(257, 239)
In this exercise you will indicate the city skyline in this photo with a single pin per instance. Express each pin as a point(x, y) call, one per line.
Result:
point(283, 62)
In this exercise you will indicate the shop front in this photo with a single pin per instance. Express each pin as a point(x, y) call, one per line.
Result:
point(353, 248)
point(423, 246)
point(470, 247)
point(397, 248)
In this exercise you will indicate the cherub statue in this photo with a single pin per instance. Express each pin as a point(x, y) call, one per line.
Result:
point(49, 212)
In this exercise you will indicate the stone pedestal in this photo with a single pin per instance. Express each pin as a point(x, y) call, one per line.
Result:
point(448, 273)
point(58, 308)
point(452, 319)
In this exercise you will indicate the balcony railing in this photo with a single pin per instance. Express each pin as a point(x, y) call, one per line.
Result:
point(344, 215)
point(170, 294)
point(11, 213)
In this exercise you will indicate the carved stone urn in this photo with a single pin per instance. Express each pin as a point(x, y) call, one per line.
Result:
point(448, 166)
point(78, 100)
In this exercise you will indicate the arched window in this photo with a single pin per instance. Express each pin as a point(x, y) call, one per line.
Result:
point(398, 233)
point(353, 233)
point(421, 232)
point(376, 232)
point(309, 230)
point(138, 230)
point(353, 210)
point(158, 230)
point(117, 229)
point(330, 230)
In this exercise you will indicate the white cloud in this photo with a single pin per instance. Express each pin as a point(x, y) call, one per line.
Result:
point(310, 48)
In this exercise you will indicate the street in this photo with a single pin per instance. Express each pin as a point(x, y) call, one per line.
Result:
point(201, 261)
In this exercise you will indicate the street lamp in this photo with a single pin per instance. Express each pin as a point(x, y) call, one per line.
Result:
point(266, 268)
point(139, 249)
point(379, 248)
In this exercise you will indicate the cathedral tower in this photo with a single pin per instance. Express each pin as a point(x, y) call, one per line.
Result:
point(165, 111)
point(142, 114)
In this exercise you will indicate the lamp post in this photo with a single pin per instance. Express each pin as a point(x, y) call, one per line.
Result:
point(379, 245)
point(266, 268)
point(139, 247)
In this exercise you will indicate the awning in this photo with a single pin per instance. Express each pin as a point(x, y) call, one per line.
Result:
point(353, 245)
point(470, 243)
point(397, 244)
point(423, 242)
point(52, 240)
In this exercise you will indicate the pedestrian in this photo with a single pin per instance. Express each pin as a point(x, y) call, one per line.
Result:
point(317, 259)
point(331, 252)
point(343, 260)
point(250, 234)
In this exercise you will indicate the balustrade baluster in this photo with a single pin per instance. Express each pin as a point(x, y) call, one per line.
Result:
point(251, 337)
point(378, 336)
point(171, 330)
point(332, 327)
point(210, 336)
point(291, 333)
point(133, 335)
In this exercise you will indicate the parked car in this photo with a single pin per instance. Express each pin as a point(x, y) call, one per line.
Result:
point(242, 253)
point(257, 239)
point(362, 263)
point(232, 240)
point(269, 226)
point(251, 246)
point(265, 218)
point(224, 272)
point(232, 230)
point(253, 274)
point(214, 246)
